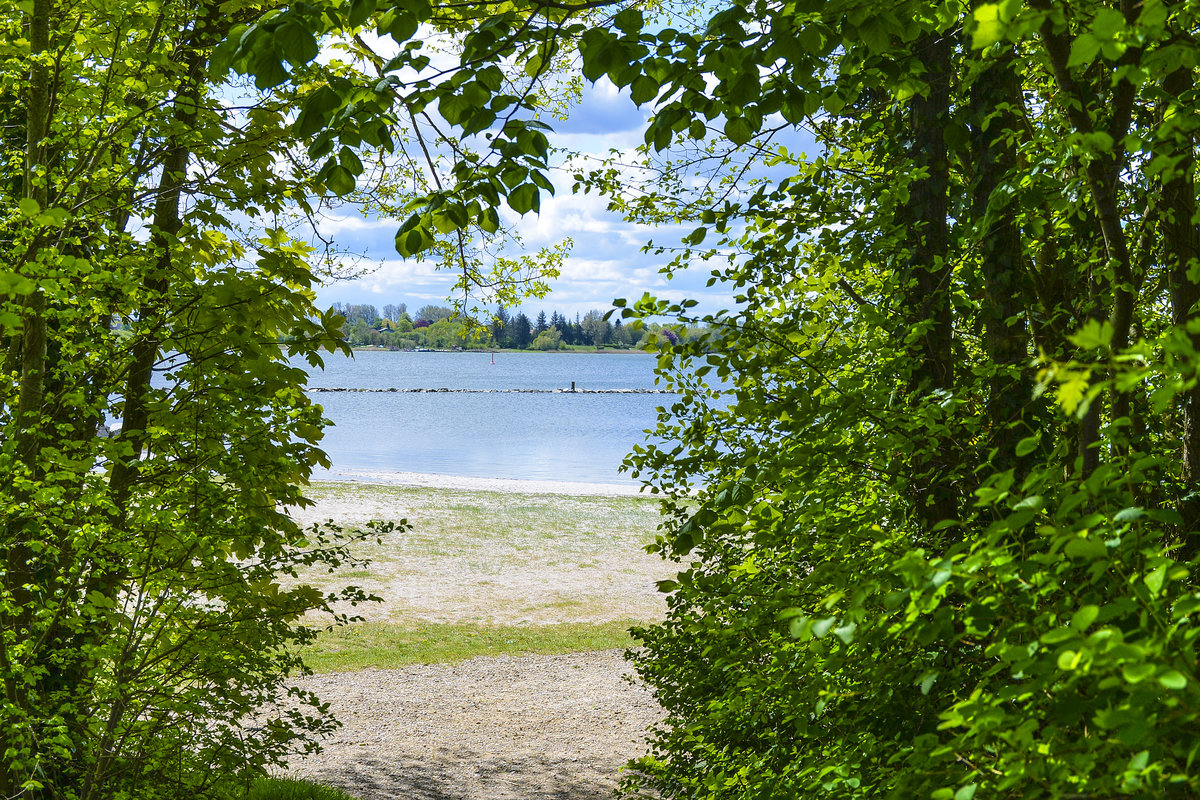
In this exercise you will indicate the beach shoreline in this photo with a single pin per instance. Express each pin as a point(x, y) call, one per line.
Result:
point(429, 480)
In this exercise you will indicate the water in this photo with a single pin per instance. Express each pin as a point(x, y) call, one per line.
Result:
point(558, 437)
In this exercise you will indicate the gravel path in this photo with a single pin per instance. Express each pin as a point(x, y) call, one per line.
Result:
point(533, 727)
point(527, 727)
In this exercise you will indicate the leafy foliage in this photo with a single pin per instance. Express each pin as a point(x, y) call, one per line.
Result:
point(944, 515)
point(946, 528)
point(154, 429)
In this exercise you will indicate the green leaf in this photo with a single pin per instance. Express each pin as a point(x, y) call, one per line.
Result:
point(989, 28)
point(738, 131)
point(1129, 514)
point(339, 180)
point(598, 53)
point(1084, 50)
point(359, 11)
point(411, 239)
point(1155, 579)
point(350, 161)
point(1136, 673)
point(1173, 679)
point(267, 67)
point(12, 284)
point(1153, 14)
point(401, 27)
point(821, 627)
point(966, 792)
point(444, 222)
point(28, 207)
point(454, 107)
point(298, 44)
point(533, 65)
point(1069, 660)
point(1093, 334)
point(1084, 617)
point(1029, 444)
point(643, 89)
point(1057, 635)
point(52, 218)
point(524, 198)
point(630, 21)
point(1086, 548)
point(489, 220)
point(1108, 23)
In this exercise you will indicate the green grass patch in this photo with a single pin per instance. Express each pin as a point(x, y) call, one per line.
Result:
point(388, 645)
point(292, 789)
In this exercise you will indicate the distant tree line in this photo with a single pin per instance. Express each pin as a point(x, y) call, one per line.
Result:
point(438, 327)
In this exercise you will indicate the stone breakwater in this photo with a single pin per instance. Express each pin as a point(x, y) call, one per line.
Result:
point(493, 391)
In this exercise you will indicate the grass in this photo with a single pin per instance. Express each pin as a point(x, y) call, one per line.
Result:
point(449, 522)
point(292, 789)
point(446, 518)
point(467, 539)
point(387, 646)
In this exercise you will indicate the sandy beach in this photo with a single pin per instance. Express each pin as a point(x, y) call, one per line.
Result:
point(497, 552)
point(492, 552)
point(507, 485)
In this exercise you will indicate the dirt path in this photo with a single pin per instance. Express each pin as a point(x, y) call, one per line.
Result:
point(533, 728)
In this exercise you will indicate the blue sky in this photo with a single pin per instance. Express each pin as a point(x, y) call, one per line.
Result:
point(606, 261)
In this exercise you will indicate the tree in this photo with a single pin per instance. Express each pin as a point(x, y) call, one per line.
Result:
point(621, 334)
point(549, 339)
point(501, 327)
point(432, 313)
point(522, 331)
point(936, 521)
point(541, 323)
point(147, 600)
point(596, 329)
point(940, 529)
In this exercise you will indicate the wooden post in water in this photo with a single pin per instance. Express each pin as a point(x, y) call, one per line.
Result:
point(572, 386)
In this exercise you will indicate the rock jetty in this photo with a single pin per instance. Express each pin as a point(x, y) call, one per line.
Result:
point(491, 391)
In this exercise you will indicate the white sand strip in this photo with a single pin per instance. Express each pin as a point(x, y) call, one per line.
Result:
point(461, 482)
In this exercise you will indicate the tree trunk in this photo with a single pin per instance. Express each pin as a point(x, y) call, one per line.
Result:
point(1002, 257)
point(19, 532)
point(1179, 240)
point(928, 237)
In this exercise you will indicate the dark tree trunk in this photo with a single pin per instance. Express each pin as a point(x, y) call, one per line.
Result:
point(1179, 240)
point(928, 239)
point(1002, 258)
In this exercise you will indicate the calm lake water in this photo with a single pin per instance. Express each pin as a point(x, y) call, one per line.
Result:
point(561, 437)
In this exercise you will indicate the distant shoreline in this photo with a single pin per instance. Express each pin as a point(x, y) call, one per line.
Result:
point(506, 351)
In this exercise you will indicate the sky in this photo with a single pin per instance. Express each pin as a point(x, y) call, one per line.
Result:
point(606, 261)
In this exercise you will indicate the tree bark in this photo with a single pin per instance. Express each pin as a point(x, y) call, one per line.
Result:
point(1002, 256)
point(1179, 241)
point(19, 532)
point(1103, 177)
point(928, 238)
